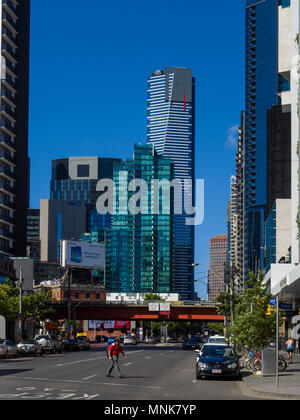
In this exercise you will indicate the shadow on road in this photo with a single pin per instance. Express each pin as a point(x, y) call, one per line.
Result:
point(6, 372)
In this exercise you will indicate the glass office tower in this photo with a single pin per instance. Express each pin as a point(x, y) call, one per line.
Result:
point(139, 247)
point(262, 83)
point(14, 161)
point(171, 129)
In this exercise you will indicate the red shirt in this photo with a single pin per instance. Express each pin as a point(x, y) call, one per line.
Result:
point(115, 349)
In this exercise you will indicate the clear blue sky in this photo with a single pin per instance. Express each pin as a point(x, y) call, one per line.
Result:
point(89, 66)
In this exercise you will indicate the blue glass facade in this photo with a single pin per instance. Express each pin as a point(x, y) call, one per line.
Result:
point(271, 239)
point(171, 129)
point(262, 85)
point(139, 247)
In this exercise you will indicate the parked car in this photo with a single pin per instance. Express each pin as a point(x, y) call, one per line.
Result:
point(130, 340)
point(191, 343)
point(8, 348)
point(72, 344)
point(84, 343)
point(49, 343)
point(150, 340)
point(30, 347)
point(217, 339)
point(217, 360)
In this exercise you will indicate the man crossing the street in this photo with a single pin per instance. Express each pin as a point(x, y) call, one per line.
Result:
point(113, 354)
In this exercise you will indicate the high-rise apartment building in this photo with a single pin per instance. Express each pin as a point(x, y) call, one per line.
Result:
point(217, 266)
point(33, 234)
point(262, 87)
point(171, 129)
point(14, 161)
point(75, 179)
point(139, 246)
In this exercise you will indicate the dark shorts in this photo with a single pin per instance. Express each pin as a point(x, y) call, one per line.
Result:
point(290, 350)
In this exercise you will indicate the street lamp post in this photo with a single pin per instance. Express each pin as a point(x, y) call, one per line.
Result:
point(20, 303)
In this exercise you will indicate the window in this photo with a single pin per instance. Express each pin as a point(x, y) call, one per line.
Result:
point(83, 171)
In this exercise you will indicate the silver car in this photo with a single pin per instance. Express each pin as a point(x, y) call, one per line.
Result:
point(8, 348)
point(30, 347)
point(49, 342)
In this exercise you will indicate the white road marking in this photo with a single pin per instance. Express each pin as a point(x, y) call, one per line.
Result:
point(89, 377)
point(148, 357)
point(127, 364)
point(90, 360)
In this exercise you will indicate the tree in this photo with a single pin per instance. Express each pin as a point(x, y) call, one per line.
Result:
point(8, 302)
point(216, 327)
point(35, 305)
point(152, 297)
point(252, 327)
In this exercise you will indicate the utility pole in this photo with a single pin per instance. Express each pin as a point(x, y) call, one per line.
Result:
point(20, 302)
point(69, 302)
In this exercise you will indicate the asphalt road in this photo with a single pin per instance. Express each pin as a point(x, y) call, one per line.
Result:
point(151, 373)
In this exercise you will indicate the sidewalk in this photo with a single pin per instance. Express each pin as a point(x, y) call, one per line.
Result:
point(265, 387)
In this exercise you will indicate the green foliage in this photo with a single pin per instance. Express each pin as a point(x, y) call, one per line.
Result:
point(35, 305)
point(216, 327)
point(252, 327)
point(8, 302)
point(152, 297)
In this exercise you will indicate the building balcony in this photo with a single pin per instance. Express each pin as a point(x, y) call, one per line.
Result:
point(6, 173)
point(10, 6)
point(4, 232)
point(9, 36)
point(7, 111)
point(7, 219)
point(7, 126)
point(7, 18)
point(7, 142)
point(7, 188)
point(7, 158)
point(8, 96)
point(4, 202)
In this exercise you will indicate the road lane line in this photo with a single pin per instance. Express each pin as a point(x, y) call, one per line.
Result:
point(57, 381)
point(90, 360)
point(89, 377)
point(127, 364)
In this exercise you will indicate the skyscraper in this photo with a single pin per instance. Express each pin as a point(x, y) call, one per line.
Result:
point(217, 265)
point(171, 129)
point(75, 179)
point(139, 247)
point(14, 161)
point(262, 81)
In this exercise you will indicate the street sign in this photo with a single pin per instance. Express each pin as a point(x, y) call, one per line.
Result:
point(164, 308)
point(285, 306)
point(153, 307)
point(273, 301)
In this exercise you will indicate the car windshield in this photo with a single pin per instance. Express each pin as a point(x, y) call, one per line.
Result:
point(217, 351)
point(27, 342)
point(217, 340)
point(40, 337)
point(1, 341)
point(192, 340)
